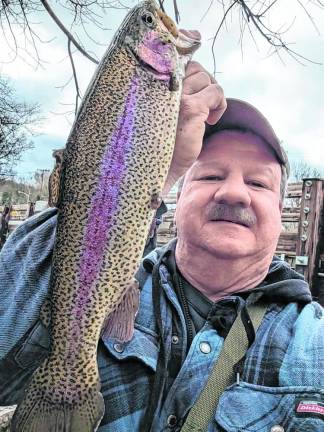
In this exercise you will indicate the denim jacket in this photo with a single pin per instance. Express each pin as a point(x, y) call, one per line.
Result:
point(281, 382)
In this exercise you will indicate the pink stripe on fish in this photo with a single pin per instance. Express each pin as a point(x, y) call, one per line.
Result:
point(104, 205)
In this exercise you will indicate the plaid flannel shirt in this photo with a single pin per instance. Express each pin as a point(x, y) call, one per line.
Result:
point(282, 378)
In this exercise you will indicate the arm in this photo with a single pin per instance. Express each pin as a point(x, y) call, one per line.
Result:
point(304, 360)
point(25, 263)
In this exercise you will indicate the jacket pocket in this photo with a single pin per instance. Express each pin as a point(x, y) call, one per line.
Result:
point(127, 373)
point(35, 348)
point(17, 367)
point(143, 346)
point(253, 408)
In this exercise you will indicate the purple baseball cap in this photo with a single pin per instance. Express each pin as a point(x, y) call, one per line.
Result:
point(242, 115)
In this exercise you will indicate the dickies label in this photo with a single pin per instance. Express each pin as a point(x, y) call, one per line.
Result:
point(310, 407)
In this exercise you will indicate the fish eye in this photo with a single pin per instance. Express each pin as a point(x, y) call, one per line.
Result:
point(148, 19)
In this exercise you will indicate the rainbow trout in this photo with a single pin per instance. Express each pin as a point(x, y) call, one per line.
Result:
point(114, 167)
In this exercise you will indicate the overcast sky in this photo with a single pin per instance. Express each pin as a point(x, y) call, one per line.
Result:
point(290, 94)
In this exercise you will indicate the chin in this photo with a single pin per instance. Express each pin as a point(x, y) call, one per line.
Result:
point(227, 247)
point(229, 253)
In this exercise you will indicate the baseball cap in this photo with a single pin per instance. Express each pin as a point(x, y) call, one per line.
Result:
point(242, 115)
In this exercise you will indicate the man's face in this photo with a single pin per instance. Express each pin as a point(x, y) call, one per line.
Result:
point(230, 201)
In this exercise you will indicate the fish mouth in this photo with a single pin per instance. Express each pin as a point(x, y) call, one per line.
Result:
point(168, 22)
point(187, 42)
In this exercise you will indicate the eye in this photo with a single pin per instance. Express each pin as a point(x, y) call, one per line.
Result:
point(257, 184)
point(148, 19)
point(211, 178)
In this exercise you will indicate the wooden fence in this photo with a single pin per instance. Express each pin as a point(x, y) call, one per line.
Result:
point(301, 242)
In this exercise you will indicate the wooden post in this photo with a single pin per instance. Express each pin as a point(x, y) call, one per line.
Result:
point(310, 233)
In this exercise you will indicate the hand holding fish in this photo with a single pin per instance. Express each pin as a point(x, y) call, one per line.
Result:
point(202, 101)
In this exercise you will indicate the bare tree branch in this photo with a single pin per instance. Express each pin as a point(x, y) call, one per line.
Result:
point(176, 11)
point(66, 32)
point(274, 38)
point(77, 96)
point(15, 119)
point(161, 5)
point(309, 16)
point(208, 9)
point(253, 16)
point(12, 34)
point(268, 8)
point(218, 30)
point(301, 170)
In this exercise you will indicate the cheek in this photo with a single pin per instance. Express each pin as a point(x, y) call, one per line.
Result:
point(156, 54)
point(183, 209)
point(190, 209)
point(270, 220)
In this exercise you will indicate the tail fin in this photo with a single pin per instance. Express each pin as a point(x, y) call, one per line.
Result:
point(38, 414)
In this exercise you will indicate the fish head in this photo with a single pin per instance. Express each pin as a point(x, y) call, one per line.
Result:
point(155, 43)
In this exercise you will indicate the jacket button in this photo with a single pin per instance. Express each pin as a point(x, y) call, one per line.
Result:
point(277, 428)
point(172, 420)
point(175, 339)
point(205, 347)
point(119, 347)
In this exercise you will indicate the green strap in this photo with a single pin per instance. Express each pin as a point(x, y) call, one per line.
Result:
point(234, 348)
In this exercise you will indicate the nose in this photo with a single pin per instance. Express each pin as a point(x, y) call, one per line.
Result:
point(233, 191)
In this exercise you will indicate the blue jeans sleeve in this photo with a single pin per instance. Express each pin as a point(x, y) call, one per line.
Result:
point(25, 267)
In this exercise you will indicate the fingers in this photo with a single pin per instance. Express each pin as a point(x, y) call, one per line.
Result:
point(220, 106)
point(202, 93)
point(202, 101)
point(213, 99)
point(194, 67)
point(196, 82)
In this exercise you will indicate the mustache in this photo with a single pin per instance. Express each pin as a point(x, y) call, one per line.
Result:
point(235, 214)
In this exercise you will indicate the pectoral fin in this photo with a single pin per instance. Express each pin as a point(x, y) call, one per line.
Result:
point(120, 323)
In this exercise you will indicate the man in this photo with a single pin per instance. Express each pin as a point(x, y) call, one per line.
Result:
point(4, 224)
point(192, 290)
